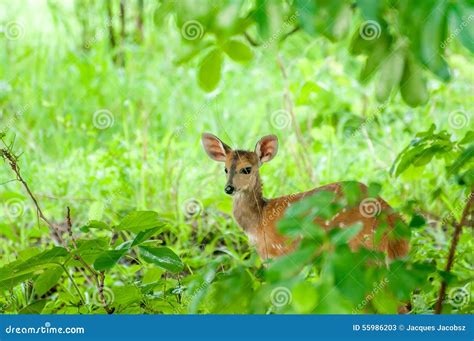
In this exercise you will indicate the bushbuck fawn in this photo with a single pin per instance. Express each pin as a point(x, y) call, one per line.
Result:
point(258, 216)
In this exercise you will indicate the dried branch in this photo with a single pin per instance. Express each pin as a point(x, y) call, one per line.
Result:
point(12, 160)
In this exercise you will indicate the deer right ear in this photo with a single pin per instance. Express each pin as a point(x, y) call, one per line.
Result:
point(215, 148)
point(266, 148)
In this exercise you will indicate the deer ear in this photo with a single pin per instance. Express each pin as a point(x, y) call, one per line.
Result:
point(215, 148)
point(266, 148)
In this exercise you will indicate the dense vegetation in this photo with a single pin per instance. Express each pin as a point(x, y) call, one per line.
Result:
point(110, 205)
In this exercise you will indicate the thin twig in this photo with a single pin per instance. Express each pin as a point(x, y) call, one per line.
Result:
point(251, 41)
point(12, 159)
point(102, 296)
point(466, 219)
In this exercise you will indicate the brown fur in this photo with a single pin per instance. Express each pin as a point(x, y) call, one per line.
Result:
point(258, 216)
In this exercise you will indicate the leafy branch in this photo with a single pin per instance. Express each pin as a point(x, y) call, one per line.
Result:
point(12, 159)
point(466, 219)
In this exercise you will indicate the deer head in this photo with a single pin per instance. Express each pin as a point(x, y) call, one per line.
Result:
point(241, 166)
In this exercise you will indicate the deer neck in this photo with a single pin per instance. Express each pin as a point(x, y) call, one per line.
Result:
point(248, 207)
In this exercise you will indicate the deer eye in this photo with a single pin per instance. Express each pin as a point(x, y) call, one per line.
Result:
point(225, 170)
point(246, 170)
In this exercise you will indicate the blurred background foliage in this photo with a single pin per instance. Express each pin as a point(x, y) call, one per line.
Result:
point(102, 106)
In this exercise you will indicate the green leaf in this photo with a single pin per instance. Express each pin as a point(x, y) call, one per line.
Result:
point(305, 297)
point(90, 249)
point(352, 192)
point(431, 41)
point(288, 266)
point(209, 73)
point(34, 308)
point(47, 280)
point(238, 51)
point(413, 85)
point(127, 294)
point(371, 9)
point(461, 16)
point(145, 235)
point(341, 236)
point(374, 189)
point(33, 264)
point(138, 221)
point(108, 259)
point(161, 256)
point(417, 221)
point(390, 75)
point(465, 157)
point(12, 282)
point(468, 138)
point(306, 10)
point(95, 224)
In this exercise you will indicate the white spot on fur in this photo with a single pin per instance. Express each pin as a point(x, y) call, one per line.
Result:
point(252, 238)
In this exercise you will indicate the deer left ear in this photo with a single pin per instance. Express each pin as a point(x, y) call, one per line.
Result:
point(266, 148)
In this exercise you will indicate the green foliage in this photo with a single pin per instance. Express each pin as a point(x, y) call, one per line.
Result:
point(397, 37)
point(148, 209)
point(163, 257)
point(459, 155)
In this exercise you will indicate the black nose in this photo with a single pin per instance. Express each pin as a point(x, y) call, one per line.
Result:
point(229, 189)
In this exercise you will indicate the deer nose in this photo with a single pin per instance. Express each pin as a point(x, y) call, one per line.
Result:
point(229, 189)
